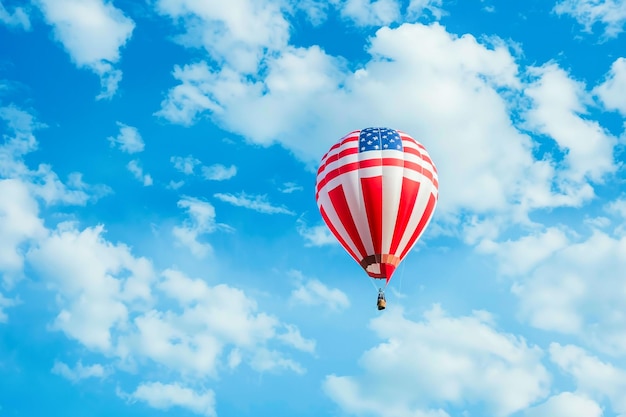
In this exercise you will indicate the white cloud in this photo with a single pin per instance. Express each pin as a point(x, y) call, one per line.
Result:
point(185, 165)
point(175, 185)
point(257, 203)
point(559, 102)
point(19, 223)
point(165, 396)
point(610, 13)
point(371, 12)
point(311, 292)
point(612, 91)
point(189, 99)
point(97, 282)
point(128, 139)
point(42, 182)
point(518, 257)
point(453, 80)
point(466, 99)
point(293, 338)
point(201, 221)
point(318, 235)
point(617, 207)
point(115, 304)
point(192, 337)
point(92, 32)
point(219, 172)
point(265, 360)
point(441, 360)
point(566, 404)
point(5, 303)
point(237, 36)
point(17, 18)
point(79, 372)
point(576, 287)
point(594, 378)
point(315, 10)
point(417, 7)
point(135, 168)
point(290, 187)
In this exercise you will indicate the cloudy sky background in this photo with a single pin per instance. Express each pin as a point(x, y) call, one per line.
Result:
point(161, 251)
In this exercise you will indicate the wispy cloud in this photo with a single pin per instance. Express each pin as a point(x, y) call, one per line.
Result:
point(258, 203)
point(186, 164)
point(78, 372)
point(290, 187)
point(135, 168)
point(219, 172)
point(200, 221)
point(17, 18)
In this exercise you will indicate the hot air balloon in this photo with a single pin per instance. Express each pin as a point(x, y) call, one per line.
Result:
point(376, 190)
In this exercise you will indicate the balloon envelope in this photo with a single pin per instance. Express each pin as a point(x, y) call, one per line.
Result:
point(377, 189)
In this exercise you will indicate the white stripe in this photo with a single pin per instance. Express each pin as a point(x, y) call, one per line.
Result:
point(354, 196)
point(324, 201)
point(373, 155)
point(426, 189)
point(392, 190)
point(369, 172)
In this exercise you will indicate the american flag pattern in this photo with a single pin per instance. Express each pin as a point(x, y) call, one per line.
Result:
point(377, 189)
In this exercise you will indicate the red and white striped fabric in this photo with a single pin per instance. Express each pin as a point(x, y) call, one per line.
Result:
point(377, 189)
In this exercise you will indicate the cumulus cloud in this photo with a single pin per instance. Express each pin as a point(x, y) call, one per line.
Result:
point(517, 257)
point(610, 13)
point(136, 169)
point(186, 164)
point(83, 268)
point(128, 139)
point(19, 224)
point(453, 80)
point(311, 292)
point(218, 172)
point(236, 36)
point(115, 304)
point(258, 203)
point(441, 360)
point(556, 277)
point(371, 13)
point(318, 235)
point(18, 17)
point(612, 91)
point(566, 404)
point(594, 378)
point(92, 32)
point(559, 103)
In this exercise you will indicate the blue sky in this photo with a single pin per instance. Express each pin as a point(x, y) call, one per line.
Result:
point(161, 250)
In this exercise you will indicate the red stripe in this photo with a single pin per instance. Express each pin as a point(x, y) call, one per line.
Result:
point(341, 154)
point(335, 232)
point(408, 197)
point(373, 198)
point(337, 198)
point(376, 162)
point(420, 227)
